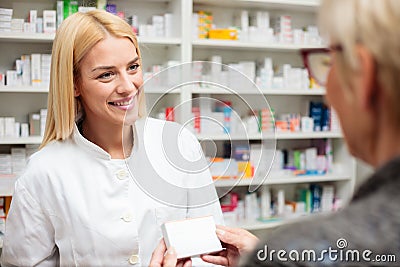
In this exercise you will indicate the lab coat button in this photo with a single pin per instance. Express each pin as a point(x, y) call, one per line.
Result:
point(134, 259)
point(122, 174)
point(127, 217)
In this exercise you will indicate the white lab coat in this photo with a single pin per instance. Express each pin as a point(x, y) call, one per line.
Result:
point(75, 206)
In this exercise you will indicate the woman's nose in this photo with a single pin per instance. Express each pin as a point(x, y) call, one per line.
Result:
point(126, 84)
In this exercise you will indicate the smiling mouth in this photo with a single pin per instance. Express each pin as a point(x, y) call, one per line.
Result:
point(121, 103)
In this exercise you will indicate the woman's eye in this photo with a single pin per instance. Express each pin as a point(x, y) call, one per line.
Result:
point(134, 67)
point(106, 75)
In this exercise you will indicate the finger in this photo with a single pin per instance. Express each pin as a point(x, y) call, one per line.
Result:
point(170, 258)
point(226, 228)
point(219, 253)
point(188, 263)
point(158, 254)
point(218, 260)
point(228, 237)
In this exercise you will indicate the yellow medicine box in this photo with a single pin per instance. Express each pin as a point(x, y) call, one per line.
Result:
point(225, 34)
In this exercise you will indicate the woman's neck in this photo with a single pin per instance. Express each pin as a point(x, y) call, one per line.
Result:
point(116, 140)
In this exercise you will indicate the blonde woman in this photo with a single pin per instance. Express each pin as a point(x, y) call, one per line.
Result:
point(100, 187)
point(363, 86)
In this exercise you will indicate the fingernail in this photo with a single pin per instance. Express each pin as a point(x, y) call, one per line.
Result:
point(171, 250)
point(220, 232)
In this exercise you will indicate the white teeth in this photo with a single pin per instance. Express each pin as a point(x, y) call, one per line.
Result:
point(125, 103)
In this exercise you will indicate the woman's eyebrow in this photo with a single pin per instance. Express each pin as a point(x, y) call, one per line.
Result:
point(111, 67)
point(133, 61)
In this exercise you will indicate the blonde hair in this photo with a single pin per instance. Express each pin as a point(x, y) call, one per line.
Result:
point(373, 24)
point(73, 40)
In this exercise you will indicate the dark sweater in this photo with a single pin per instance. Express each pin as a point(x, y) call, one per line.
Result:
point(371, 222)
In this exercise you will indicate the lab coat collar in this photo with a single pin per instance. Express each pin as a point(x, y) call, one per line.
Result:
point(97, 151)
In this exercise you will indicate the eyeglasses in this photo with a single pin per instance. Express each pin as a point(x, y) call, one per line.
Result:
point(318, 62)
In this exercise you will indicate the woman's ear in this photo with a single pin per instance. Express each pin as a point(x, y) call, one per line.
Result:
point(77, 91)
point(366, 79)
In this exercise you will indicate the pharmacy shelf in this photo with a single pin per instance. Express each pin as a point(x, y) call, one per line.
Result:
point(310, 5)
point(48, 38)
point(159, 41)
point(233, 44)
point(267, 224)
point(26, 37)
point(284, 179)
point(7, 184)
point(206, 89)
point(24, 89)
point(278, 136)
point(34, 140)
point(311, 135)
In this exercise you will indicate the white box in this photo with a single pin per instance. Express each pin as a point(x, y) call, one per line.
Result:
point(36, 77)
point(9, 126)
point(6, 11)
point(191, 237)
point(39, 25)
point(26, 70)
point(5, 18)
point(2, 127)
point(49, 21)
point(33, 16)
point(12, 77)
point(60, 12)
point(85, 9)
point(5, 24)
point(17, 129)
point(24, 129)
point(168, 25)
point(17, 25)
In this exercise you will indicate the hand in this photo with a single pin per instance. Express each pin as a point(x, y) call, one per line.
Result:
point(162, 257)
point(236, 242)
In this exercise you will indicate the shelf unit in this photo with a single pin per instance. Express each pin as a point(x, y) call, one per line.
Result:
point(274, 179)
point(241, 45)
point(277, 136)
point(182, 47)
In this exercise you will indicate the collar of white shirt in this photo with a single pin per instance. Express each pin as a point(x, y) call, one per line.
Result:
point(94, 149)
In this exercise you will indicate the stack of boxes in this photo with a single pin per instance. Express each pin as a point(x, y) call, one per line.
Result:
point(9, 128)
point(5, 164)
point(18, 160)
point(160, 26)
point(15, 162)
point(31, 25)
point(17, 25)
point(5, 19)
point(202, 22)
point(283, 29)
point(31, 69)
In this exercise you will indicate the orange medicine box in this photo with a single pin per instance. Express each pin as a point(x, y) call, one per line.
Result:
point(226, 34)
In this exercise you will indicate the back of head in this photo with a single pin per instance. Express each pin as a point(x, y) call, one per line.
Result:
point(74, 38)
point(373, 24)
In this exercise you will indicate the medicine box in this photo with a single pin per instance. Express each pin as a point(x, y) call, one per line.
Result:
point(226, 34)
point(191, 237)
point(6, 11)
point(49, 21)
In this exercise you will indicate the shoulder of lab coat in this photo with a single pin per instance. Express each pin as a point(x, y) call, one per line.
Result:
point(191, 151)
